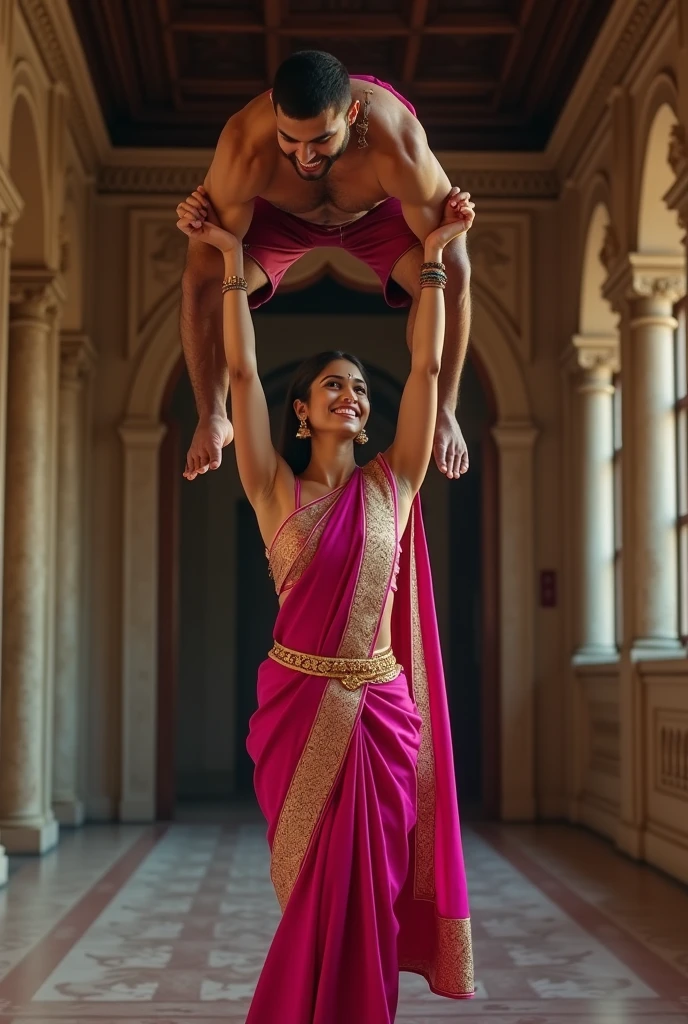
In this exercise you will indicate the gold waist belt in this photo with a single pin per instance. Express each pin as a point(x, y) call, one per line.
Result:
point(351, 672)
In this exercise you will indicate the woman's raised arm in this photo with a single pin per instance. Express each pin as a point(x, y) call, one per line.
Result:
point(409, 454)
point(257, 460)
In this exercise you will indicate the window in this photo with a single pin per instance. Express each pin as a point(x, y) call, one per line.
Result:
point(682, 468)
point(618, 512)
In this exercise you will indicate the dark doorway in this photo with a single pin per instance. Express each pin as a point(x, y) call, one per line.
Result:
point(256, 612)
point(467, 669)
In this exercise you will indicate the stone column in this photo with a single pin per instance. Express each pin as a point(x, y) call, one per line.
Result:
point(597, 361)
point(141, 441)
point(10, 208)
point(643, 289)
point(515, 442)
point(26, 818)
point(75, 358)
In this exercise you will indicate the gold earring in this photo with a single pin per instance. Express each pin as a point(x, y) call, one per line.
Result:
point(303, 433)
point(362, 437)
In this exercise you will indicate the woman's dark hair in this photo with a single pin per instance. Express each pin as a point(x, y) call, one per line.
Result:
point(297, 452)
point(309, 82)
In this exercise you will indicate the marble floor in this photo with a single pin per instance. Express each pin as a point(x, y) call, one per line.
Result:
point(169, 925)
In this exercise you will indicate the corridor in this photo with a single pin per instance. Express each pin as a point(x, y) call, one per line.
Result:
point(144, 924)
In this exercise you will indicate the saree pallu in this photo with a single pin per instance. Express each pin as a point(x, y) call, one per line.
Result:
point(357, 785)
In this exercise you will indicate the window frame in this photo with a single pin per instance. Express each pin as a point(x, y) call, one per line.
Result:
point(681, 424)
point(617, 505)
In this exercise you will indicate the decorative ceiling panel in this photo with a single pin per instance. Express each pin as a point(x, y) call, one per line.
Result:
point(483, 74)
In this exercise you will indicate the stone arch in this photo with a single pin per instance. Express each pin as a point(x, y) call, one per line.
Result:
point(141, 433)
point(27, 170)
point(657, 226)
point(493, 338)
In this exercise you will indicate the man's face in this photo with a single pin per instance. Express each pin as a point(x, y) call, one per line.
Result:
point(312, 146)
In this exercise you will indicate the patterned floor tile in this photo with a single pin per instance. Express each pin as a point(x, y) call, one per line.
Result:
point(176, 930)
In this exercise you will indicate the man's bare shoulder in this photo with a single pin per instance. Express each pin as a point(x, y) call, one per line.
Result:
point(394, 130)
point(246, 153)
point(405, 165)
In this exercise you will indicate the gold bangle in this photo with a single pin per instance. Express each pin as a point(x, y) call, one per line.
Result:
point(234, 282)
point(433, 265)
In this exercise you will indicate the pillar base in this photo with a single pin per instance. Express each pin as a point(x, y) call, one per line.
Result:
point(3, 866)
point(30, 838)
point(69, 812)
point(656, 649)
point(595, 654)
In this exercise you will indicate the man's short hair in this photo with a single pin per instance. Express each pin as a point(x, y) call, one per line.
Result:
point(310, 82)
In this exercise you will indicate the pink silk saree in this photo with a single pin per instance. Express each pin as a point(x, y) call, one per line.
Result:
point(357, 786)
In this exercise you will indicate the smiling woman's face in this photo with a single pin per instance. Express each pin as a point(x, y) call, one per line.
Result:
point(338, 401)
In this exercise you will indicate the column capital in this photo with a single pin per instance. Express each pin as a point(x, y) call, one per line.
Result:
point(593, 352)
point(36, 293)
point(77, 358)
point(645, 276)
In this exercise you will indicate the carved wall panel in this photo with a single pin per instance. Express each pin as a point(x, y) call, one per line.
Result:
point(157, 252)
point(667, 749)
point(500, 251)
point(596, 750)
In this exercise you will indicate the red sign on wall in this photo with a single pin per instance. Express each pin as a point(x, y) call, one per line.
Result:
point(548, 588)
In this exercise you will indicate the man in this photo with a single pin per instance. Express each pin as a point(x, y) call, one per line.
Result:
point(289, 175)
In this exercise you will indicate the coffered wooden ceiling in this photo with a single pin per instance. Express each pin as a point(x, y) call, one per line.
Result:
point(483, 74)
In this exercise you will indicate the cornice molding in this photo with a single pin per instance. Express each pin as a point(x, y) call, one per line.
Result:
point(503, 183)
point(625, 32)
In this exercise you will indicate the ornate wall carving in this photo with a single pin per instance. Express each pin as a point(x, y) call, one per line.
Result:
point(500, 251)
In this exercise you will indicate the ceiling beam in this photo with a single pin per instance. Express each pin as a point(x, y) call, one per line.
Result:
point(273, 17)
point(419, 13)
point(364, 25)
point(170, 50)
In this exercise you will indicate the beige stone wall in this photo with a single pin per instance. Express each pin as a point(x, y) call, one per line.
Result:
point(624, 200)
point(588, 730)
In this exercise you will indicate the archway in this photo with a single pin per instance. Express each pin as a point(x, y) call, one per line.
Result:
point(513, 436)
point(26, 171)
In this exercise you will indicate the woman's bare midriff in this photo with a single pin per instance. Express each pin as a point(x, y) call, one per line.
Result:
point(384, 639)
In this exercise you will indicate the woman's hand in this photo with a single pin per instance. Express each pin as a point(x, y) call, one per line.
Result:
point(459, 213)
point(197, 219)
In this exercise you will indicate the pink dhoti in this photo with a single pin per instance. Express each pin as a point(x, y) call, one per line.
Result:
point(356, 779)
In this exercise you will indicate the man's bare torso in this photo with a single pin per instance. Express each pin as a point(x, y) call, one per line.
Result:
point(350, 190)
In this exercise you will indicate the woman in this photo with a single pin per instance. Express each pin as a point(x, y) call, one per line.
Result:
point(354, 769)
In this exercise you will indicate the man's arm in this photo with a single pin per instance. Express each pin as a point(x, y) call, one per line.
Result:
point(409, 171)
point(231, 190)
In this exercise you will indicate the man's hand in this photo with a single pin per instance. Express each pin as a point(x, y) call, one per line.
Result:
point(451, 453)
point(212, 434)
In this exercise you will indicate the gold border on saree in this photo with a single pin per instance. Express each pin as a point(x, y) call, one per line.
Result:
point(352, 673)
